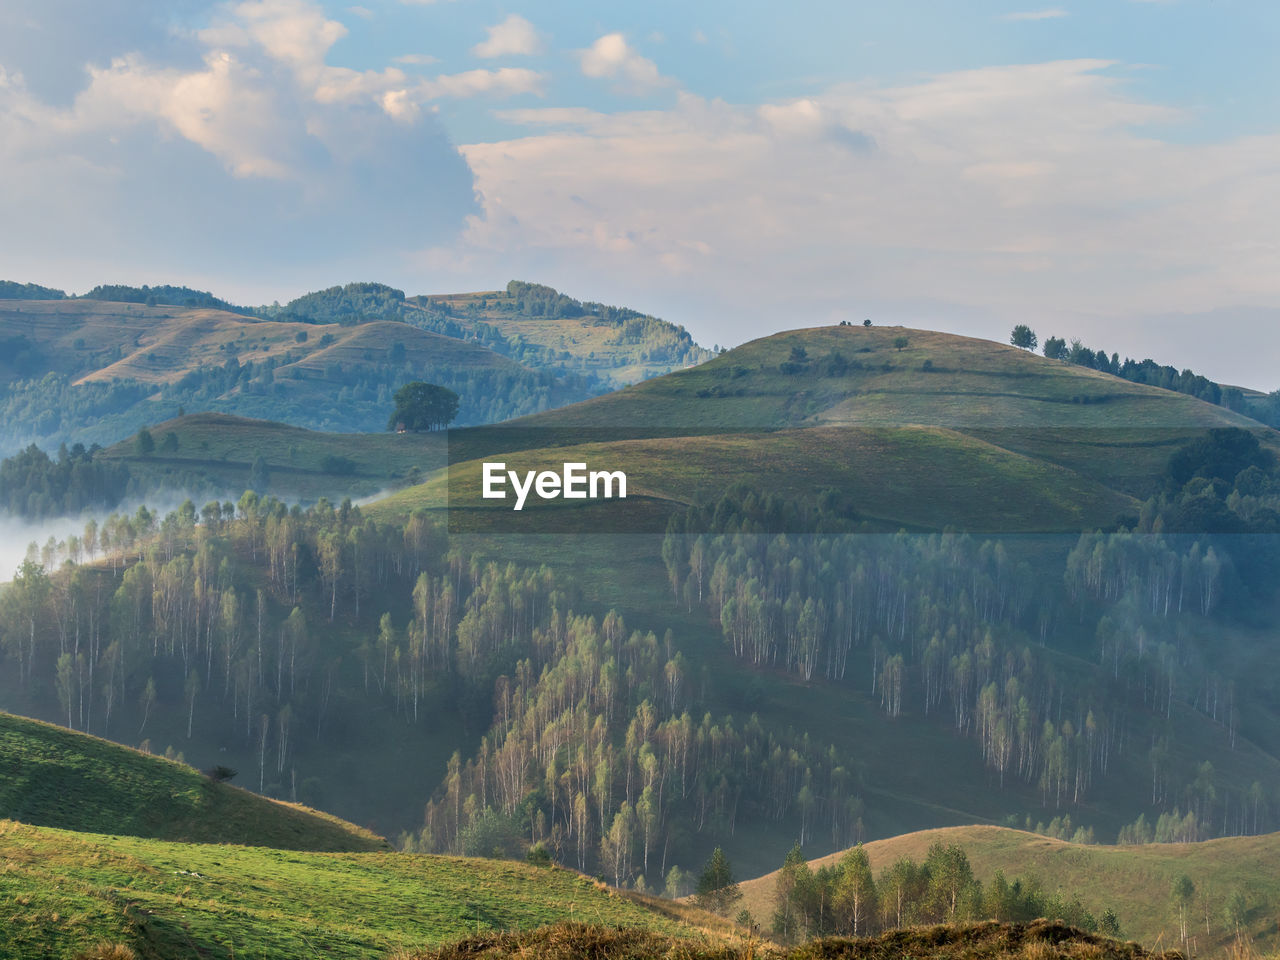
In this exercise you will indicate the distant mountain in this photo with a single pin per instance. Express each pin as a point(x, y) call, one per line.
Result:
point(545, 328)
point(93, 371)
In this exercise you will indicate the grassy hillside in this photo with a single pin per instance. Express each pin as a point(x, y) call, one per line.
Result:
point(215, 454)
point(914, 477)
point(55, 777)
point(1101, 426)
point(946, 431)
point(1134, 881)
point(968, 383)
point(61, 892)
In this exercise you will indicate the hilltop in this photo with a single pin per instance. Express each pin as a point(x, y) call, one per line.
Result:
point(860, 375)
point(920, 430)
point(1134, 881)
point(1096, 424)
point(545, 328)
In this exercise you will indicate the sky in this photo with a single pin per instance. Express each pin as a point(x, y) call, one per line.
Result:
point(1108, 170)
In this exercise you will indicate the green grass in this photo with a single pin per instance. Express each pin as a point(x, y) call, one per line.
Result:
point(974, 384)
point(217, 450)
point(61, 892)
point(55, 777)
point(1134, 881)
point(990, 438)
point(914, 477)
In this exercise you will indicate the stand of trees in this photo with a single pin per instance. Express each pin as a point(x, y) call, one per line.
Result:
point(423, 406)
point(846, 899)
point(33, 485)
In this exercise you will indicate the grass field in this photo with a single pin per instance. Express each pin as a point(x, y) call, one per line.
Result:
point(924, 478)
point(971, 383)
point(52, 776)
point(216, 452)
point(61, 892)
point(1134, 881)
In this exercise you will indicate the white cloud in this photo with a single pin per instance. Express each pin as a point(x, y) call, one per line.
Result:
point(514, 36)
point(1055, 13)
point(257, 153)
point(1007, 192)
point(364, 13)
point(612, 57)
point(507, 81)
point(417, 59)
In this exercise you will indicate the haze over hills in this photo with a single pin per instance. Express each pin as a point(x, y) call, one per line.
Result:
point(835, 590)
point(95, 369)
point(94, 372)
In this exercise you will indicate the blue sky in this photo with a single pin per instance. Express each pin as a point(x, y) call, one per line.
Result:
point(1106, 169)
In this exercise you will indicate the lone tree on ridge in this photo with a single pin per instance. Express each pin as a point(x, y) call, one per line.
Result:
point(423, 406)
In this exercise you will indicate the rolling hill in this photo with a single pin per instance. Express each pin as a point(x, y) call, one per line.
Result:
point(922, 478)
point(1096, 424)
point(946, 431)
point(61, 892)
point(1134, 881)
point(1097, 686)
point(859, 375)
point(986, 440)
point(54, 777)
